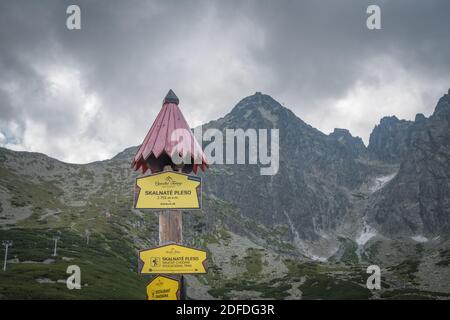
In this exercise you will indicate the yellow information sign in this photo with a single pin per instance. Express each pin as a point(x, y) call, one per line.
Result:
point(168, 190)
point(172, 259)
point(163, 288)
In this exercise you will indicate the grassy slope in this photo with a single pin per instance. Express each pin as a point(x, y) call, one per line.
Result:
point(108, 265)
point(105, 273)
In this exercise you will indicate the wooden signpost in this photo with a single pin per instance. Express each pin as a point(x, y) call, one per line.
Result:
point(163, 288)
point(172, 259)
point(169, 189)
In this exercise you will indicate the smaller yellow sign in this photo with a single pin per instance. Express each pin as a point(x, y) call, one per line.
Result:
point(168, 190)
point(172, 259)
point(163, 288)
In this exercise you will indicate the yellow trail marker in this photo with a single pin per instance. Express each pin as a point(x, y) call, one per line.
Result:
point(163, 288)
point(172, 259)
point(168, 190)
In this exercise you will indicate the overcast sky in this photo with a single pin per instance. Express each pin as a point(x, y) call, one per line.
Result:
point(85, 95)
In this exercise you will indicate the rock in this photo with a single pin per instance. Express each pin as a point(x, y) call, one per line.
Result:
point(354, 145)
point(417, 201)
point(387, 141)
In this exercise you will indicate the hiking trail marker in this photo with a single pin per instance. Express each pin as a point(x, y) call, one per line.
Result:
point(163, 288)
point(169, 189)
point(172, 259)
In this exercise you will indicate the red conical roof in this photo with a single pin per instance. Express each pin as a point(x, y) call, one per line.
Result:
point(169, 135)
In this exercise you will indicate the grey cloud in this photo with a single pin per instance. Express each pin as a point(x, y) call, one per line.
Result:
point(212, 53)
point(319, 47)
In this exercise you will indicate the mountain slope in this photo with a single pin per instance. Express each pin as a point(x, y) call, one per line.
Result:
point(388, 140)
point(417, 200)
point(309, 231)
point(311, 191)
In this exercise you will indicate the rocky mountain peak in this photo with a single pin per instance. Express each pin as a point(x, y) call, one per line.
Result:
point(125, 155)
point(420, 117)
point(389, 121)
point(259, 111)
point(264, 104)
point(355, 145)
point(422, 182)
point(387, 141)
point(443, 107)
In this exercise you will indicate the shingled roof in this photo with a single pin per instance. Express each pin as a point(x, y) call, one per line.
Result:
point(159, 145)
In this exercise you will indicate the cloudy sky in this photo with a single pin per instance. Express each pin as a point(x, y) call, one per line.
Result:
point(85, 95)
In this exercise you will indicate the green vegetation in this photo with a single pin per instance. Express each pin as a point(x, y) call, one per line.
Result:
point(371, 253)
point(326, 287)
point(105, 274)
point(323, 281)
point(274, 289)
point(406, 270)
point(412, 294)
point(300, 269)
point(349, 256)
point(102, 202)
point(445, 255)
point(24, 192)
point(253, 262)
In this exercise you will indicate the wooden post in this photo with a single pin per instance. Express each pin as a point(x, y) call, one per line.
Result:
point(170, 224)
point(171, 231)
point(156, 141)
point(170, 227)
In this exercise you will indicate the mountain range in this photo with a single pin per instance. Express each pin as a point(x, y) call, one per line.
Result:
point(310, 231)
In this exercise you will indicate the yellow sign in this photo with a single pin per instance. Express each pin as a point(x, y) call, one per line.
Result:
point(163, 288)
point(168, 190)
point(172, 259)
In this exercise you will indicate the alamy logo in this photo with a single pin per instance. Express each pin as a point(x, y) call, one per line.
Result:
point(73, 21)
point(374, 280)
point(373, 21)
point(251, 146)
point(74, 280)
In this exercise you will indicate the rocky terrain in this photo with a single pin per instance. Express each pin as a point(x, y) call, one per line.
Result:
point(310, 231)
